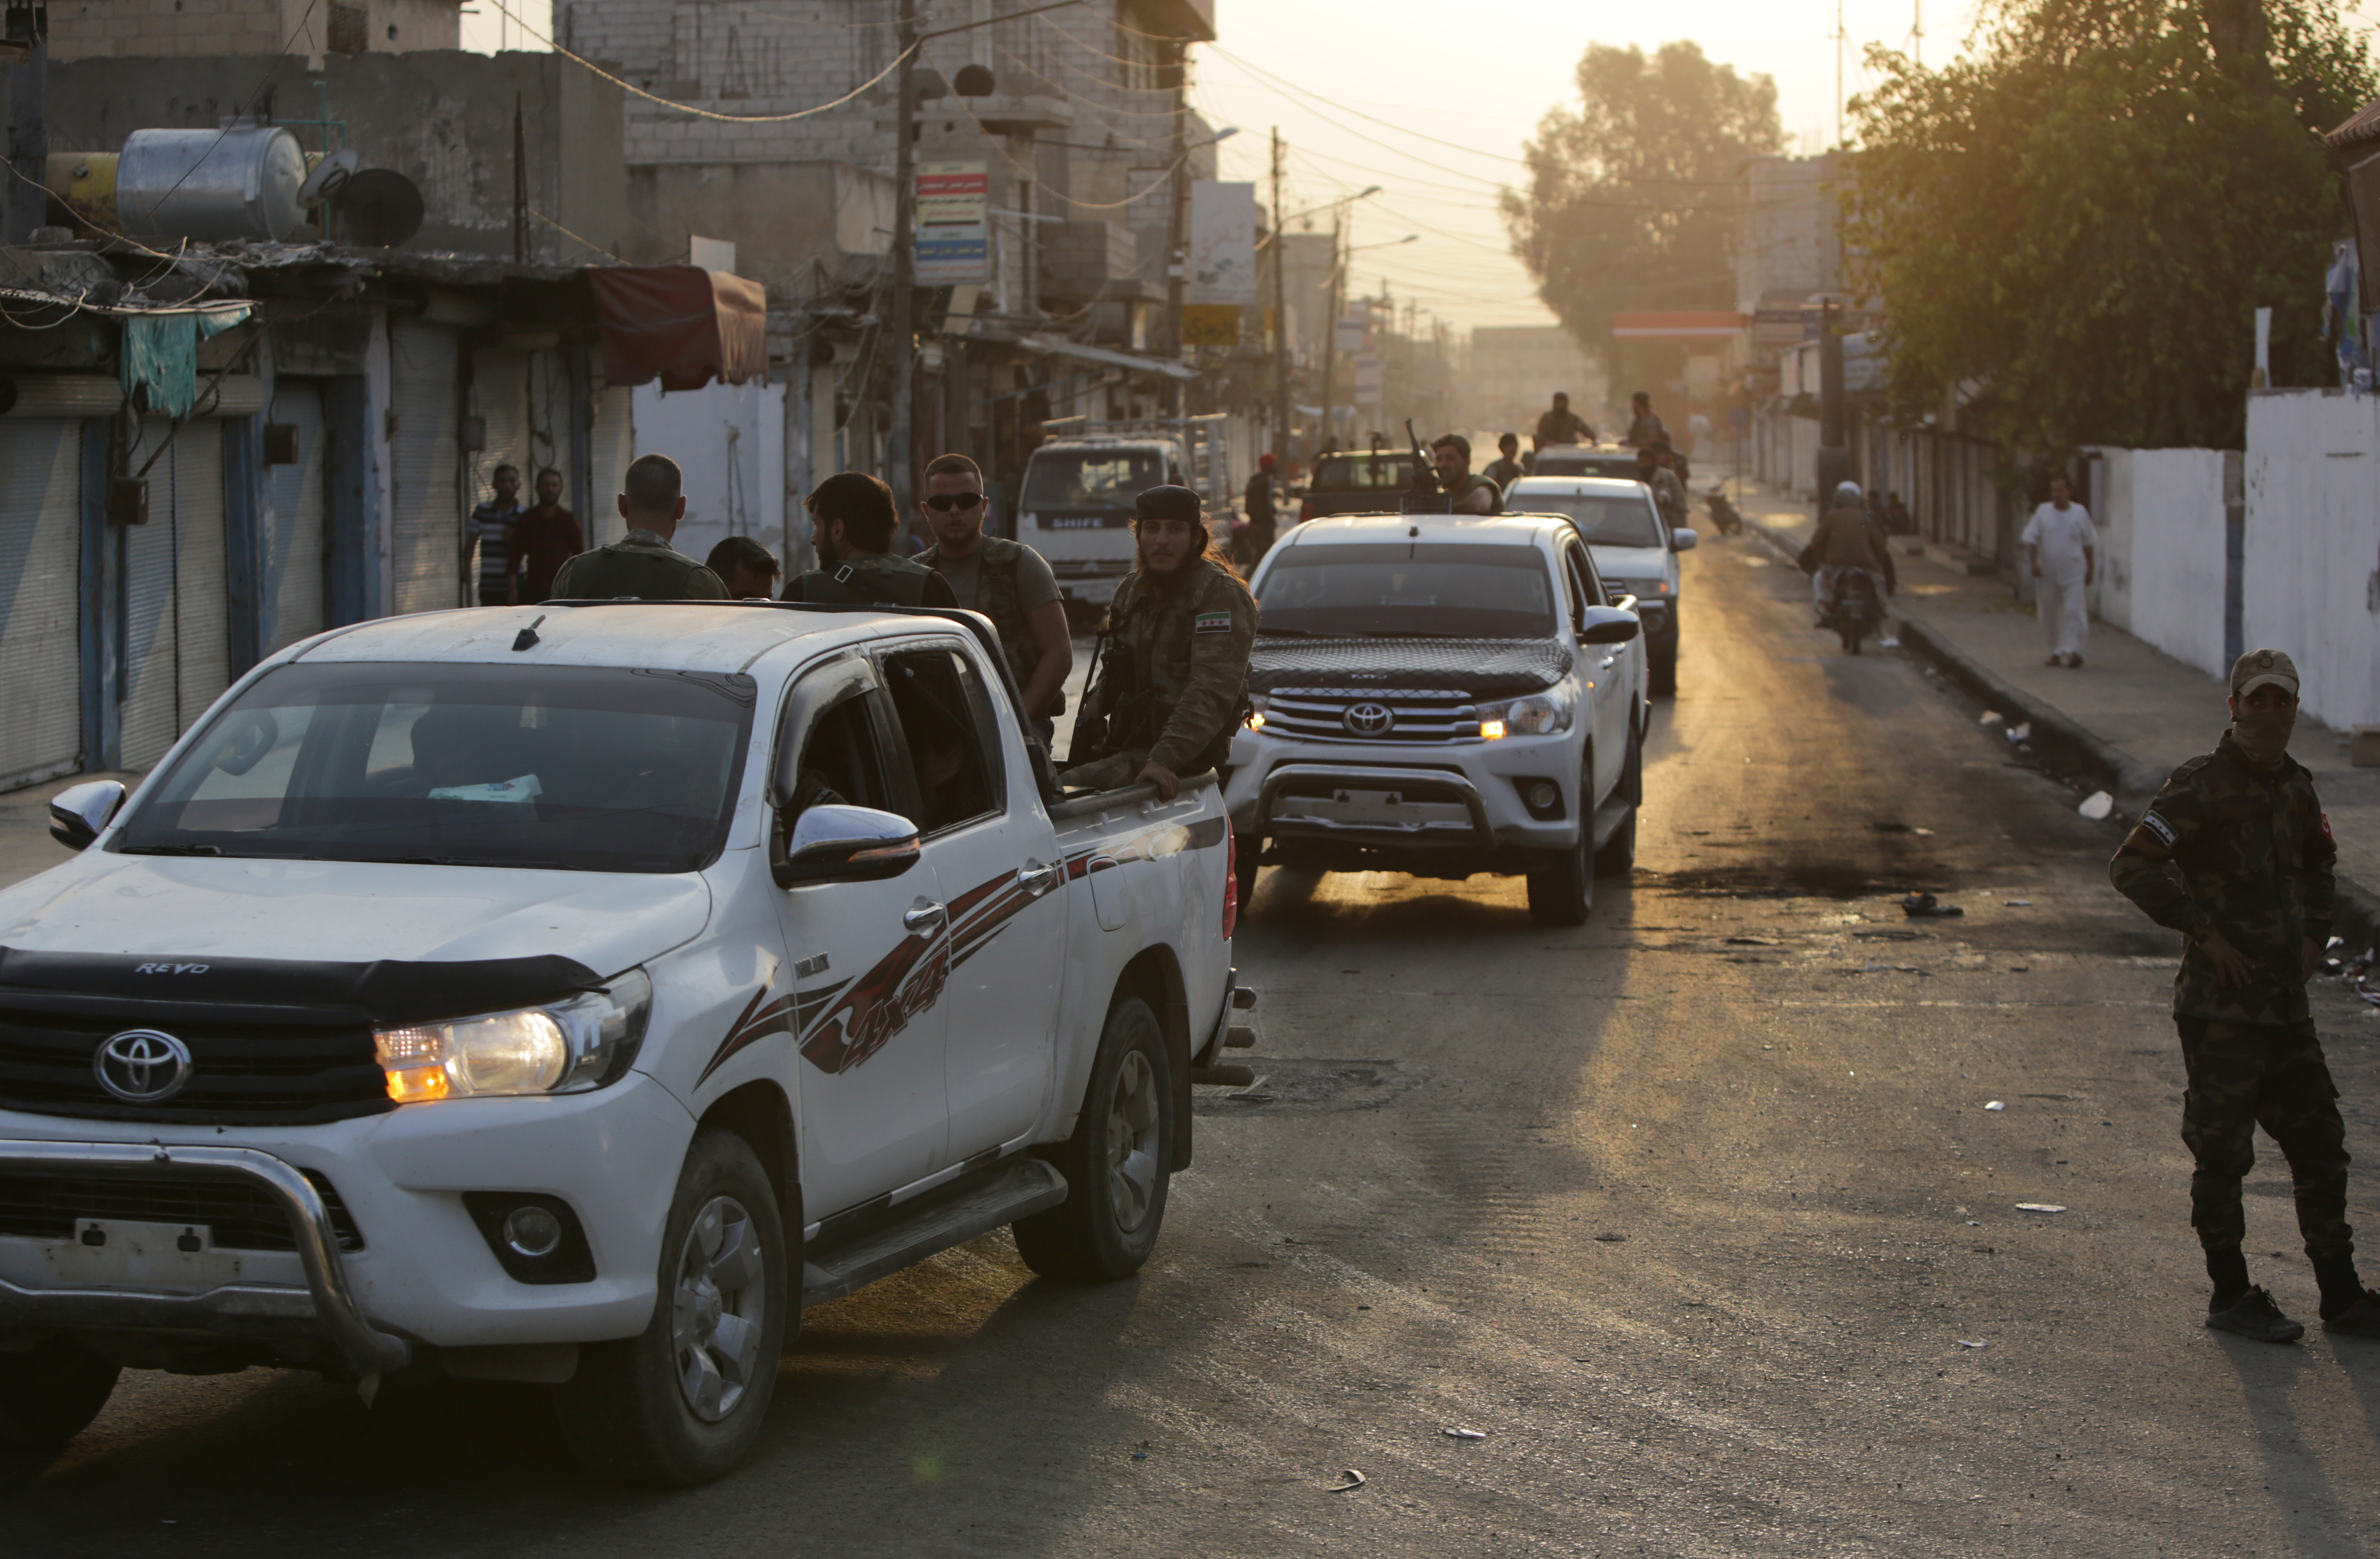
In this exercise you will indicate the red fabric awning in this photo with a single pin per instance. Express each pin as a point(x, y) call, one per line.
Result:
point(680, 323)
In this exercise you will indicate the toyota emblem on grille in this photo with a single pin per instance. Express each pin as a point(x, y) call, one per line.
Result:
point(142, 1066)
point(1368, 719)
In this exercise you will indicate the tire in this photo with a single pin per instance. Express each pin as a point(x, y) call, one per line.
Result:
point(50, 1394)
point(682, 1402)
point(1119, 1163)
point(1618, 856)
point(1661, 670)
point(1563, 894)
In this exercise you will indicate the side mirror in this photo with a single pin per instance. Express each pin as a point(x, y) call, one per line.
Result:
point(835, 843)
point(1608, 624)
point(79, 811)
point(1682, 540)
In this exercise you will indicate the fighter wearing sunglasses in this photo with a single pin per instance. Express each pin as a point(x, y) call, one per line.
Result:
point(1005, 580)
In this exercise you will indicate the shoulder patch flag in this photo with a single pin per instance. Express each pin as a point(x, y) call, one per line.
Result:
point(1211, 622)
point(2159, 826)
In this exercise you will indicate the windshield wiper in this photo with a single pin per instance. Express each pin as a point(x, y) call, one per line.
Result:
point(467, 860)
point(171, 850)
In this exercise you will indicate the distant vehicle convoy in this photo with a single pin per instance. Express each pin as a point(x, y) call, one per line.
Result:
point(1633, 547)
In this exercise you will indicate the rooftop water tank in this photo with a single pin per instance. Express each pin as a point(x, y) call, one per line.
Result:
point(240, 181)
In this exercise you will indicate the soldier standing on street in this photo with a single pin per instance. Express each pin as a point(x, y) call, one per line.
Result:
point(1175, 683)
point(1262, 520)
point(642, 563)
point(853, 519)
point(1005, 580)
point(2236, 854)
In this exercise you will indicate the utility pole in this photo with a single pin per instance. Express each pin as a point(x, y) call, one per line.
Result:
point(898, 455)
point(1330, 340)
point(1281, 402)
point(24, 56)
point(1177, 259)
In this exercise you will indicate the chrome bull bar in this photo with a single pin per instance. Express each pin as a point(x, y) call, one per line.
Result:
point(236, 1309)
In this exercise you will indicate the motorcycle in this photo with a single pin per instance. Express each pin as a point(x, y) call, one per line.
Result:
point(1723, 514)
point(1854, 607)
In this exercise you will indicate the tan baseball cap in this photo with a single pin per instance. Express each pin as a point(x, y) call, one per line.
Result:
point(2260, 668)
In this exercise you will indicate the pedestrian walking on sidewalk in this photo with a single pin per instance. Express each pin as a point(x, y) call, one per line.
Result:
point(2064, 552)
point(2237, 855)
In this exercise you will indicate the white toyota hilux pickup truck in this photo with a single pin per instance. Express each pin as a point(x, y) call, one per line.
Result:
point(1440, 695)
point(572, 995)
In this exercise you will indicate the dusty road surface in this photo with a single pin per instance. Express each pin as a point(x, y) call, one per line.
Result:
point(1696, 1215)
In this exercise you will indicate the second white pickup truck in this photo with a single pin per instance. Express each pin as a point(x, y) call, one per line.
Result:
point(572, 995)
point(1442, 694)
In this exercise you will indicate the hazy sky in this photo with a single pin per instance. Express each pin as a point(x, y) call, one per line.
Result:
point(1477, 74)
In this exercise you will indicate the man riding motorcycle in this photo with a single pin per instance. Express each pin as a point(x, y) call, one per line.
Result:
point(1847, 541)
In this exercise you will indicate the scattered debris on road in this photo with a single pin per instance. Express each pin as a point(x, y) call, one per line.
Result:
point(2020, 904)
point(1454, 1433)
point(2039, 1206)
point(2097, 805)
point(1989, 717)
point(1975, 1342)
point(2019, 733)
point(1611, 1240)
point(1921, 906)
point(1354, 1479)
point(1997, 1104)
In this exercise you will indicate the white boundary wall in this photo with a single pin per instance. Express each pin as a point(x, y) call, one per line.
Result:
point(2310, 583)
point(729, 439)
point(2162, 529)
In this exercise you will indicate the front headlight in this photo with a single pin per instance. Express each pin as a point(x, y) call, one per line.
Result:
point(1540, 714)
point(565, 1047)
point(1654, 590)
point(1258, 703)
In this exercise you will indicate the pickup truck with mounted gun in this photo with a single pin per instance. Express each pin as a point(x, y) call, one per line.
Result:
point(573, 993)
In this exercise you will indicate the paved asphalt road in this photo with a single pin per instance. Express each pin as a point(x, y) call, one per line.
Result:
point(1696, 1213)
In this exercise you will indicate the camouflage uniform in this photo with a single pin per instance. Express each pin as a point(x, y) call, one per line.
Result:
point(1180, 685)
point(880, 579)
point(996, 597)
point(641, 564)
point(2229, 848)
point(1669, 496)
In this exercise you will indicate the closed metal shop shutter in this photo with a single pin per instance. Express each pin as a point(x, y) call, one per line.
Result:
point(177, 619)
point(615, 447)
point(41, 558)
point(296, 592)
point(426, 533)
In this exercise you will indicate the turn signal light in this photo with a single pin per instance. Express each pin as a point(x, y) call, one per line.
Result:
point(417, 1085)
point(1492, 730)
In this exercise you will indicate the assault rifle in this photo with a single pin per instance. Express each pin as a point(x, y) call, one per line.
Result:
point(1424, 495)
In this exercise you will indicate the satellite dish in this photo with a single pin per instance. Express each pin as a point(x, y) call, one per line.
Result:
point(973, 80)
point(330, 176)
point(379, 207)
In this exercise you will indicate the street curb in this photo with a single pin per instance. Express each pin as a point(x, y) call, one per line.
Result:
point(2068, 748)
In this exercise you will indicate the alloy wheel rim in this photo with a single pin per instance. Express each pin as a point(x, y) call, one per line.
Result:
point(717, 1306)
point(1132, 1142)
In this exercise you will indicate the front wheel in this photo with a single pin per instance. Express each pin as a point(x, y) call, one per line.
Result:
point(1618, 856)
point(1563, 894)
point(50, 1394)
point(683, 1401)
point(1118, 1164)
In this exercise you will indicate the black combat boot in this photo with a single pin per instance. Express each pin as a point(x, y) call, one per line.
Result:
point(2253, 1314)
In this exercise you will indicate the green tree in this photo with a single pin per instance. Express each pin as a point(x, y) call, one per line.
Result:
point(2085, 213)
point(1630, 197)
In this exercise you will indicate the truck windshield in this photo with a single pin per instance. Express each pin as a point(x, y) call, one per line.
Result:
point(579, 768)
point(1606, 520)
point(1463, 592)
point(1381, 470)
point(1065, 479)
